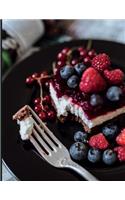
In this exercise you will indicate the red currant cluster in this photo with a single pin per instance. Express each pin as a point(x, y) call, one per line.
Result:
point(37, 76)
point(43, 107)
point(84, 56)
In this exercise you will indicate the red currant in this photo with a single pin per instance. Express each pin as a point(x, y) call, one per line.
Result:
point(74, 62)
point(51, 115)
point(65, 51)
point(29, 80)
point(35, 75)
point(87, 61)
point(43, 116)
point(60, 63)
point(83, 53)
point(92, 53)
point(38, 108)
point(44, 73)
point(81, 49)
point(37, 101)
point(61, 57)
point(47, 99)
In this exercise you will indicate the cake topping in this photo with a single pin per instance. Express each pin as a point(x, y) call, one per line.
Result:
point(101, 62)
point(80, 68)
point(92, 81)
point(96, 100)
point(73, 81)
point(115, 76)
point(114, 93)
point(66, 71)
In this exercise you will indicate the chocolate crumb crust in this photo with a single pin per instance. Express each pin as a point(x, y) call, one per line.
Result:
point(22, 114)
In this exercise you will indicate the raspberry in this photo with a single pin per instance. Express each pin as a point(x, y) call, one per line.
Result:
point(120, 153)
point(121, 138)
point(114, 76)
point(92, 81)
point(101, 62)
point(98, 141)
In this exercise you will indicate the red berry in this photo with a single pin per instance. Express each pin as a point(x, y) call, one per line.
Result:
point(86, 106)
point(87, 61)
point(74, 62)
point(46, 108)
point(98, 141)
point(121, 138)
point(83, 53)
point(60, 63)
point(51, 115)
point(38, 108)
point(120, 152)
point(47, 99)
point(115, 76)
point(35, 75)
point(65, 51)
point(44, 73)
point(43, 116)
point(37, 101)
point(92, 81)
point(61, 57)
point(91, 53)
point(81, 49)
point(29, 80)
point(101, 62)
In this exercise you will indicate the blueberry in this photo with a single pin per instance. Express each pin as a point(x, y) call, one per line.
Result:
point(78, 151)
point(80, 136)
point(73, 81)
point(80, 68)
point(114, 93)
point(66, 71)
point(110, 130)
point(96, 100)
point(94, 155)
point(109, 157)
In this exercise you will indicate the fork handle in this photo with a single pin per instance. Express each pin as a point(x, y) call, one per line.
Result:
point(81, 171)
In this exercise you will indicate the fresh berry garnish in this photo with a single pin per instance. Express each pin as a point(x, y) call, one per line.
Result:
point(60, 63)
point(94, 155)
point(101, 62)
point(115, 76)
point(87, 61)
point(91, 53)
point(109, 157)
point(96, 100)
point(120, 153)
point(114, 93)
point(110, 131)
point(92, 81)
point(83, 53)
point(80, 68)
point(43, 116)
point(74, 62)
point(61, 56)
point(66, 72)
point(121, 138)
point(46, 99)
point(38, 108)
point(65, 51)
point(80, 136)
point(35, 75)
point(78, 151)
point(51, 115)
point(37, 101)
point(80, 49)
point(73, 81)
point(29, 80)
point(98, 141)
point(86, 106)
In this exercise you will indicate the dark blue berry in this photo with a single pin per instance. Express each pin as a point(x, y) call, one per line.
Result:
point(109, 157)
point(78, 151)
point(94, 155)
point(114, 93)
point(80, 68)
point(73, 81)
point(96, 100)
point(66, 71)
point(110, 130)
point(80, 136)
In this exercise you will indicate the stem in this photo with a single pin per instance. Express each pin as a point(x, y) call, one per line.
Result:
point(89, 45)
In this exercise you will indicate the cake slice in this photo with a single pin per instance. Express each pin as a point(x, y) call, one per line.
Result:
point(93, 95)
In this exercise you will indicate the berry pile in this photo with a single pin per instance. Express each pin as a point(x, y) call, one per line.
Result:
point(100, 147)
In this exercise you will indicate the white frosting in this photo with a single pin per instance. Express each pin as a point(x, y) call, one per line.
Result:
point(64, 105)
point(26, 127)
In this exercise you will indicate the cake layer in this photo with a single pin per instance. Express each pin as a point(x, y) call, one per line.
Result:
point(65, 104)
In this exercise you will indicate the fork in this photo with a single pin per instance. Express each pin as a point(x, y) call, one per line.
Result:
point(52, 150)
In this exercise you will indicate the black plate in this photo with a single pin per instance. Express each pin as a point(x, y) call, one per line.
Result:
point(20, 158)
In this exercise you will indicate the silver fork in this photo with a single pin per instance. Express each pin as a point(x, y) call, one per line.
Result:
point(52, 150)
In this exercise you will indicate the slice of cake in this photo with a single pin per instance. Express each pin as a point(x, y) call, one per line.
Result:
point(92, 94)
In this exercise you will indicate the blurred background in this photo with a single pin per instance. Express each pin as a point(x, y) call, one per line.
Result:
point(21, 38)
